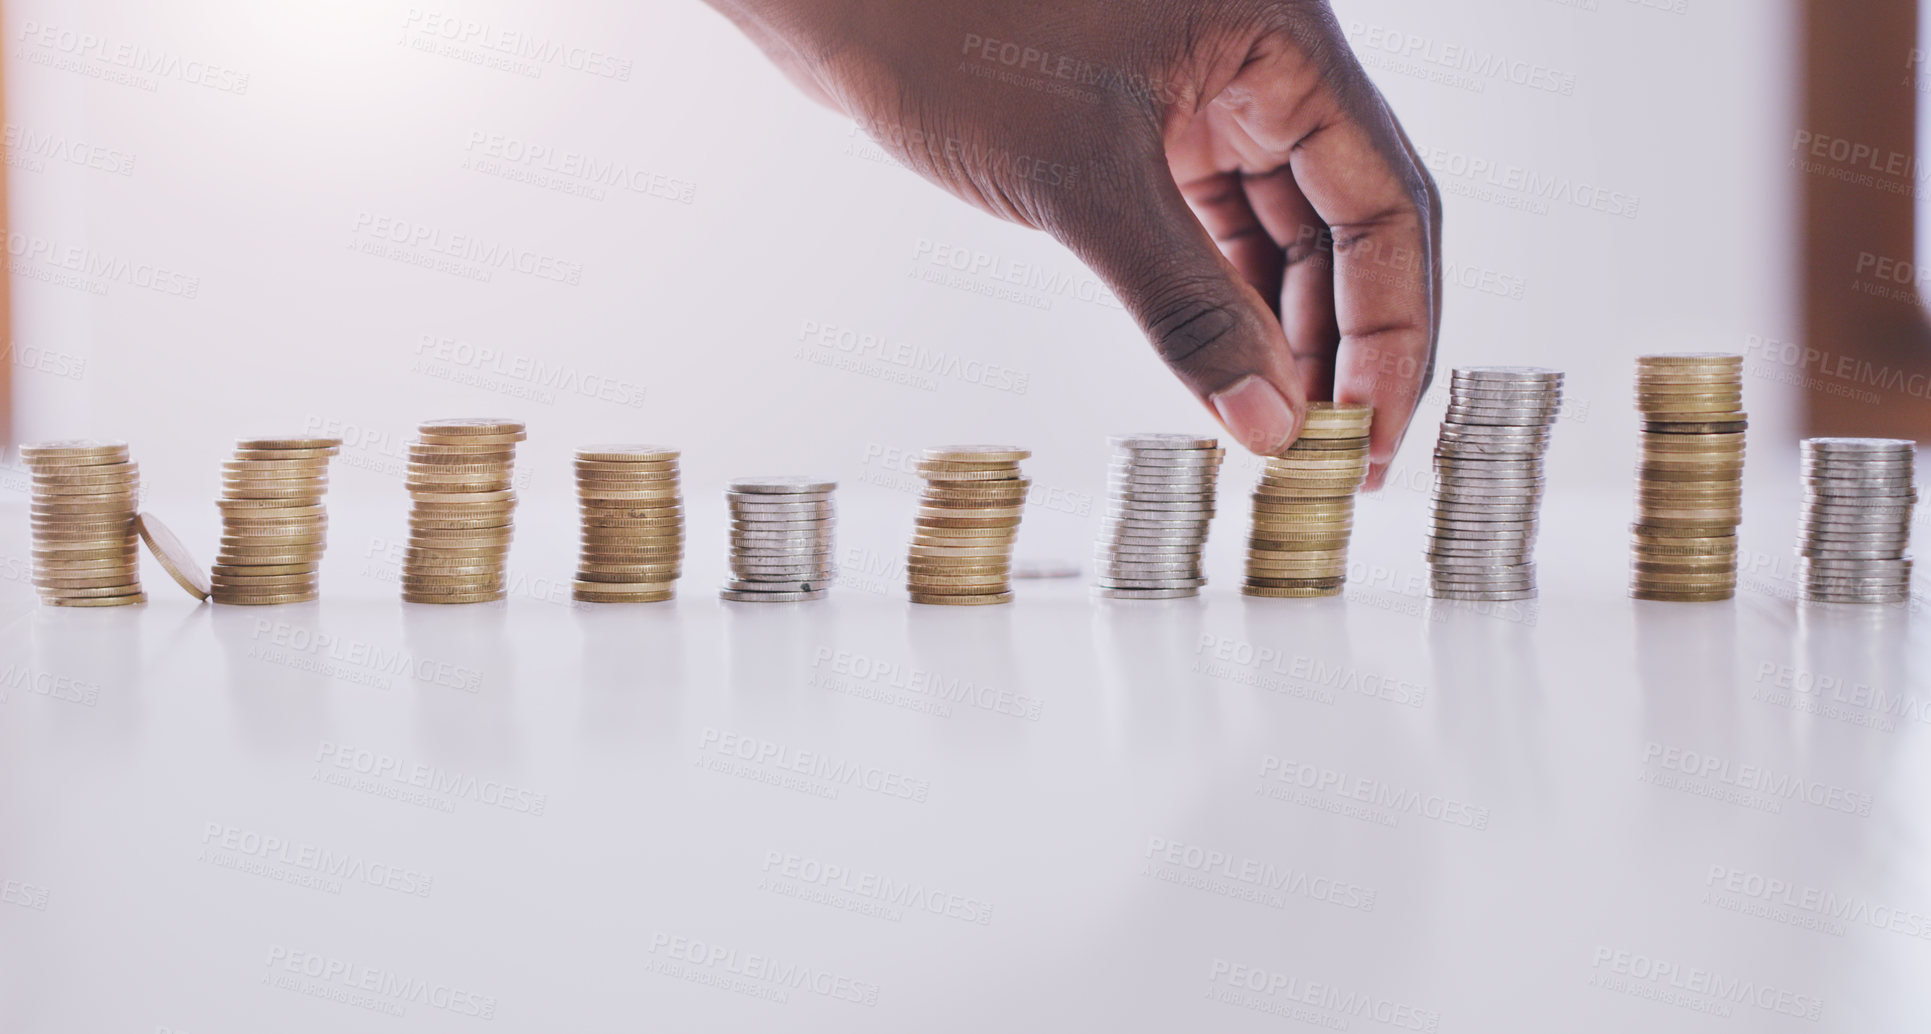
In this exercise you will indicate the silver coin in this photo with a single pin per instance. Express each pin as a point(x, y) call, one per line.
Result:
point(1110, 593)
point(1177, 442)
point(1152, 583)
point(781, 486)
point(747, 596)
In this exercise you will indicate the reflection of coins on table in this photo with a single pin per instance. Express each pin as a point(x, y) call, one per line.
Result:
point(1488, 482)
point(86, 547)
point(1160, 501)
point(1859, 495)
point(968, 518)
point(782, 534)
point(1297, 545)
point(1689, 479)
point(274, 526)
point(631, 502)
point(459, 477)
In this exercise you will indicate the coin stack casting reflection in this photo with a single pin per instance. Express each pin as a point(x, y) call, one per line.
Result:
point(1160, 502)
point(782, 532)
point(1304, 506)
point(274, 525)
point(85, 546)
point(463, 511)
point(632, 506)
point(1858, 499)
point(1689, 486)
point(1488, 482)
point(961, 553)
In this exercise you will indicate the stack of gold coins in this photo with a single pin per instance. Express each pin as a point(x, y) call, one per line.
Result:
point(633, 524)
point(460, 472)
point(1689, 484)
point(968, 518)
point(1304, 506)
point(274, 526)
point(782, 531)
point(85, 546)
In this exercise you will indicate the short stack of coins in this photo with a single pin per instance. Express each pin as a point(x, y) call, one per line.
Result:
point(782, 533)
point(1304, 506)
point(85, 544)
point(633, 524)
point(1858, 499)
point(463, 513)
point(1160, 502)
point(1689, 484)
point(1488, 482)
point(961, 553)
point(274, 526)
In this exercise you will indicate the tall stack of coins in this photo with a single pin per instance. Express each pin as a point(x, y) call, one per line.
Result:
point(85, 550)
point(633, 524)
point(1160, 502)
point(1304, 506)
point(782, 532)
point(1858, 496)
point(460, 472)
point(968, 518)
point(274, 526)
point(1689, 487)
point(1488, 482)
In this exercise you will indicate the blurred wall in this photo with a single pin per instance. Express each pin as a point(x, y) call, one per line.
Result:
point(616, 220)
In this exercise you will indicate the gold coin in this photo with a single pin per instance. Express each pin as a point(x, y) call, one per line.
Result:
point(1268, 592)
point(976, 600)
point(232, 599)
point(590, 596)
point(476, 597)
point(73, 451)
point(292, 442)
point(95, 601)
point(251, 570)
point(175, 559)
point(471, 425)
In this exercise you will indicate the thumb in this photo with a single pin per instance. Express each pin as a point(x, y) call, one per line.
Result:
point(1220, 338)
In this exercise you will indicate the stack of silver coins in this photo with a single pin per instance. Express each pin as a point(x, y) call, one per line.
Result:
point(1858, 497)
point(1160, 502)
point(1488, 482)
point(782, 532)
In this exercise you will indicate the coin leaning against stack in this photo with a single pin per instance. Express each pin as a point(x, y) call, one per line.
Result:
point(1304, 506)
point(633, 524)
point(961, 552)
point(1858, 499)
point(1160, 501)
point(463, 513)
point(85, 545)
point(1488, 482)
point(274, 526)
point(1689, 484)
point(782, 531)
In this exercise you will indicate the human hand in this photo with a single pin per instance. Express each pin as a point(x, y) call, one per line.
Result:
point(1224, 165)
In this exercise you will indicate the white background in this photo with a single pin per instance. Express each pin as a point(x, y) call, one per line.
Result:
point(699, 308)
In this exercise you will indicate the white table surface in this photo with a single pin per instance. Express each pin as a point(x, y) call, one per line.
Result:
point(1375, 813)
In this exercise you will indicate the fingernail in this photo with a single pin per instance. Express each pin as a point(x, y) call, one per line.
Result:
point(1257, 415)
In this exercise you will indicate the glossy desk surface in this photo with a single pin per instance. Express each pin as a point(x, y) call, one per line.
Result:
point(1371, 814)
